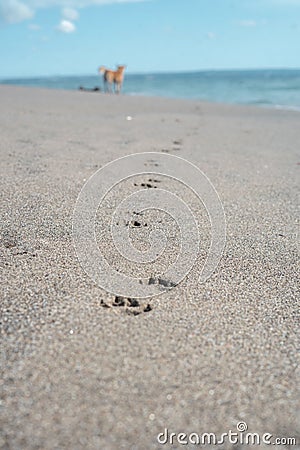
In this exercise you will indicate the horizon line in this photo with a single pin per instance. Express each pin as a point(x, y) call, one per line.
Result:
point(162, 72)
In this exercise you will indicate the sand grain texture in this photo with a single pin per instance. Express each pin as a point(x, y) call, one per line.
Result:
point(77, 375)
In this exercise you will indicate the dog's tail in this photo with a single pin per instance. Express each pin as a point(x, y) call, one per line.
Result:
point(101, 69)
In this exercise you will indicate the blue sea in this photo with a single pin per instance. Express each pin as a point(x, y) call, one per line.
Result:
point(274, 88)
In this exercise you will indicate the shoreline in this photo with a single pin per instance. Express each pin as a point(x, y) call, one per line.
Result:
point(163, 99)
point(267, 88)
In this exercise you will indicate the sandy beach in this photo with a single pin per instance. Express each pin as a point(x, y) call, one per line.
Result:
point(81, 373)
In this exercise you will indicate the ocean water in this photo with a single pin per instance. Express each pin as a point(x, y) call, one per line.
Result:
point(273, 88)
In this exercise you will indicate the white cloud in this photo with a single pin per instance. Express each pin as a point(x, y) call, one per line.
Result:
point(14, 11)
point(211, 35)
point(66, 26)
point(247, 23)
point(70, 14)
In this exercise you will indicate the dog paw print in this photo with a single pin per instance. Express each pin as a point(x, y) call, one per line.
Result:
point(127, 305)
point(150, 183)
point(151, 163)
point(162, 282)
point(10, 241)
point(177, 143)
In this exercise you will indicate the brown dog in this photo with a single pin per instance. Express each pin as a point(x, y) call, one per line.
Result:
point(111, 77)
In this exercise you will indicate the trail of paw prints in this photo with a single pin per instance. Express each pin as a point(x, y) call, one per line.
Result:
point(130, 306)
point(177, 144)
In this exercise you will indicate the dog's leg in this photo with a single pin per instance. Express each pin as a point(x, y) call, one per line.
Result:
point(104, 83)
point(118, 88)
point(108, 87)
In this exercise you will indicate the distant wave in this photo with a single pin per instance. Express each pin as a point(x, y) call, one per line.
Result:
point(288, 107)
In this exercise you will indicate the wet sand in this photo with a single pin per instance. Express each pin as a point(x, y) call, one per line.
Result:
point(79, 375)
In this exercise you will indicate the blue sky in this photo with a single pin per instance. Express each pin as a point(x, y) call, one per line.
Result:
point(57, 37)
